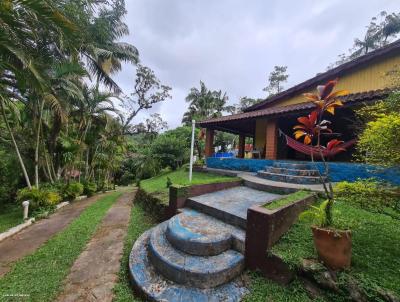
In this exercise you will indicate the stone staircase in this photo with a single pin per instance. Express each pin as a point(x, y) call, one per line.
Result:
point(197, 255)
point(296, 173)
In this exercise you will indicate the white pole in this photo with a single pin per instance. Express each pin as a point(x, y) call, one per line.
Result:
point(191, 151)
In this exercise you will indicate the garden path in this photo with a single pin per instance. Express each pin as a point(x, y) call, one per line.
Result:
point(94, 273)
point(30, 239)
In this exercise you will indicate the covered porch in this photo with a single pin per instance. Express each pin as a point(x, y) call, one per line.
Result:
point(267, 128)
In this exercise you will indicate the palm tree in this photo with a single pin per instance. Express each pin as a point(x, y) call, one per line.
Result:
point(204, 103)
point(20, 22)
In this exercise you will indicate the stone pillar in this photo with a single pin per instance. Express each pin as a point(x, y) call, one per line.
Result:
point(242, 143)
point(271, 140)
point(209, 151)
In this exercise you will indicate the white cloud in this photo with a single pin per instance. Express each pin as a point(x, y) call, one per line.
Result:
point(232, 44)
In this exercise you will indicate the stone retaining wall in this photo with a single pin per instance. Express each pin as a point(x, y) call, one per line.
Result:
point(264, 228)
point(179, 194)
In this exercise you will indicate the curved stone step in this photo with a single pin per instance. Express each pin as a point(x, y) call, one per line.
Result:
point(286, 171)
point(197, 271)
point(292, 165)
point(155, 287)
point(289, 178)
point(198, 234)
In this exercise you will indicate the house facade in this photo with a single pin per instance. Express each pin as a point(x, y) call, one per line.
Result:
point(367, 78)
point(270, 122)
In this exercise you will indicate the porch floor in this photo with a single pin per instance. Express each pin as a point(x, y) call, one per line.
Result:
point(251, 179)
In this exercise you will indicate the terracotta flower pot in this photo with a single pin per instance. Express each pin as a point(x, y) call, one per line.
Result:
point(333, 247)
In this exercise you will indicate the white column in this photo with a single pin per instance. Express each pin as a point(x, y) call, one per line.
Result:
point(191, 151)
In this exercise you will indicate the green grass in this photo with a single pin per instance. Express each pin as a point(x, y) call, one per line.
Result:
point(140, 221)
point(40, 275)
point(10, 216)
point(262, 290)
point(376, 252)
point(158, 184)
point(287, 199)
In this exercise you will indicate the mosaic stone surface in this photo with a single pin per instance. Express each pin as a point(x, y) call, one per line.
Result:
point(155, 287)
point(198, 234)
point(197, 255)
point(231, 205)
point(199, 271)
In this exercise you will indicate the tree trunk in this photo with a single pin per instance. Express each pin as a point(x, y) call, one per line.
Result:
point(37, 144)
point(48, 167)
point(21, 162)
point(87, 164)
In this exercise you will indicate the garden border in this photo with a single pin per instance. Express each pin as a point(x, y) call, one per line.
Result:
point(264, 228)
point(19, 227)
point(179, 194)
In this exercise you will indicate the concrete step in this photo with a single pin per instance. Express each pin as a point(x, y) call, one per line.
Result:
point(292, 165)
point(253, 181)
point(198, 234)
point(230, 205)
point(197, 271)
point(298, 172)
point(289, 178)
point(155, 287)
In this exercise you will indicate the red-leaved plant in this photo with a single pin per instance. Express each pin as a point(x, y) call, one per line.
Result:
point(310, 129)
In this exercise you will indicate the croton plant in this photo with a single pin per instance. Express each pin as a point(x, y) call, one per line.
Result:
point(311, 127)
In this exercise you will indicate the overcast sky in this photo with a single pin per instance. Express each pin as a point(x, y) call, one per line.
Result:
point(232, 45)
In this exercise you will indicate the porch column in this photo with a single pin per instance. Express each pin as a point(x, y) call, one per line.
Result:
point(242, 141)
point(209, 151)
point(271, 139)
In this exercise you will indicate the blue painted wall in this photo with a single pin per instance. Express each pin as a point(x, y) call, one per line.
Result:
point(339, 171)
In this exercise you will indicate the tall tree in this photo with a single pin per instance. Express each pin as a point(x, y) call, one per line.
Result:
point(148, 91)
point(244, 103)
point(382, 30)
point(276, 79)
point(204, 103)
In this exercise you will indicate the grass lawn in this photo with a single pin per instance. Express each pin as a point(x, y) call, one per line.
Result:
point(376, 252)
point(139, 223)
point(10, 216)
point(158, 184)
point(40, 275)
point(262, 290)
point(287, 199)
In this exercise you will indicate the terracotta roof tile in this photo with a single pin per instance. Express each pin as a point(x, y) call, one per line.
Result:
point(393, 48)
point(348, 100)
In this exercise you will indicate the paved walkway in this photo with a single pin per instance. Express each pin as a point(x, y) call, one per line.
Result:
point(235, 200)
point(252, 177)
point(94, 273)
point(30, 239)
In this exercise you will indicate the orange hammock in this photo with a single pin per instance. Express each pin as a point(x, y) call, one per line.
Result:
point(315, 151)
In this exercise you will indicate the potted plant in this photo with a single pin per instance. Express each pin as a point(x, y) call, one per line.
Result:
point(333, 246)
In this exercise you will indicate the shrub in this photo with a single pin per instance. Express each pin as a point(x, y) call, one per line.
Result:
point(39, 198)
point(73, 190)
point(369, 194)
point(380, 142)
point(89, 188)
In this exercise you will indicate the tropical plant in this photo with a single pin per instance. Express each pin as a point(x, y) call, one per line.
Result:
point(89, 188)
point(73, 190)
point(379, 143)
point(203, 104)
point(369, 194)
point(39, 198)
point(311, 129)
